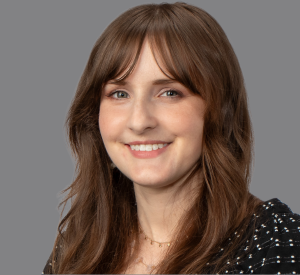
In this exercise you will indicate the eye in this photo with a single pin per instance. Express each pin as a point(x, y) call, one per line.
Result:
point(170, 93)
point(121, 93)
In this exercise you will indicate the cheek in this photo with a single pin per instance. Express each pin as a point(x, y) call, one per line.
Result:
point(187, 122)
point(109, 122)
point(104, 125)
point(187, 125)
point(109, 127)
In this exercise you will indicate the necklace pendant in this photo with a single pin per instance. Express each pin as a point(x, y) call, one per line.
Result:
point(150, 268)
point(139, 260)
point(160, 245)
point(169, 244)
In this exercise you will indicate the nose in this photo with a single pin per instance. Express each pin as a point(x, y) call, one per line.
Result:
point(142, 116)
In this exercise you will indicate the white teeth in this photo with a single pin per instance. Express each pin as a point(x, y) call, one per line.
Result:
point(147, 147)
point(142, 147)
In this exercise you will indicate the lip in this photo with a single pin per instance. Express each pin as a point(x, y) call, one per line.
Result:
point(148, 142)
point(147, 154)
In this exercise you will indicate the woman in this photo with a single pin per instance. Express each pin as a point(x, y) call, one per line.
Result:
point(161, 132)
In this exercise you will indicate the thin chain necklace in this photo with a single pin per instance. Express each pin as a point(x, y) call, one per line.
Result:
point(149, 267)
point(160, 244)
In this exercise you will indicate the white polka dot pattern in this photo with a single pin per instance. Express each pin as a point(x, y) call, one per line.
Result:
point(276, 246)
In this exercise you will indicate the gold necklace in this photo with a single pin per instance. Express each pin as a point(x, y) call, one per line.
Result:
point(160, 244)
point(149, 267)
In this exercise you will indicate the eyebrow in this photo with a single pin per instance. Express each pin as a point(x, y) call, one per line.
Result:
point(154, 82)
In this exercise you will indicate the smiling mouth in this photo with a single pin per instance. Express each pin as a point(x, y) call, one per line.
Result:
point(145, 151)
point(148, 147)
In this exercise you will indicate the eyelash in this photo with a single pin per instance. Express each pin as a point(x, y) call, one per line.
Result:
point(179, 94)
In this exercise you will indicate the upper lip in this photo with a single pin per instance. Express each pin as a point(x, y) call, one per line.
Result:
point(147, 142)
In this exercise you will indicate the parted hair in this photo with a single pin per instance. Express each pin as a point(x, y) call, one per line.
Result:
point(189, 46)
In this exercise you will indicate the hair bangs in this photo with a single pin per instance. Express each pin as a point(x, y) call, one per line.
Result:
point(173, 57)
point(171, 45)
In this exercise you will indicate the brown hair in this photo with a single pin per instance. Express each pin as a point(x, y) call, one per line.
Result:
point(94, 235)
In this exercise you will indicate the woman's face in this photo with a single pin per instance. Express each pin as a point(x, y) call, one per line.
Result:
point(143, 111)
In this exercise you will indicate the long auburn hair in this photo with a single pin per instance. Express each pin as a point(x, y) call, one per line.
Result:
point(95, 234)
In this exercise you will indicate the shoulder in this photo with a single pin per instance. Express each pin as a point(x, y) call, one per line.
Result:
point(276, 243)
point(48, 267)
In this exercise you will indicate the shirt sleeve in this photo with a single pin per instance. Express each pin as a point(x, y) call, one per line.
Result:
point(283, 251)
point(48, 267)
point(277, 247)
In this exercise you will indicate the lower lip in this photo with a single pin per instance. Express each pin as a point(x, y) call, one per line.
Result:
point(147, 154)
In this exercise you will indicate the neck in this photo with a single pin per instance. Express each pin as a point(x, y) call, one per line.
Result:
point(161, 209)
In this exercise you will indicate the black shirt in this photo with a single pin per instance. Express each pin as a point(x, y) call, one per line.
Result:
point(276, 243)
point(275, 248)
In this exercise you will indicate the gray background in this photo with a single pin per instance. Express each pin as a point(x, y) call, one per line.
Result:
point(44, 46)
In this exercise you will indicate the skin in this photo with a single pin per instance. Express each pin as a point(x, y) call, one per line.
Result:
point(146, 112)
